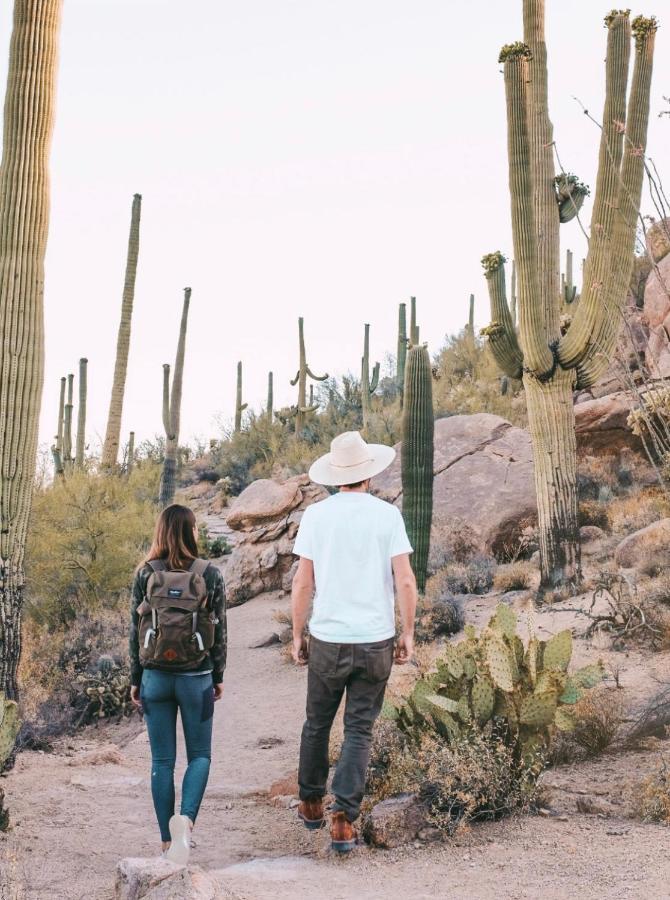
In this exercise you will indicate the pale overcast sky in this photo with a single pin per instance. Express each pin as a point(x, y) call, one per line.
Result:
point(324, 158)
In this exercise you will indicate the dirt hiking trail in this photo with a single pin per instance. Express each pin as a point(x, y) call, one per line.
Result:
point(77, 811)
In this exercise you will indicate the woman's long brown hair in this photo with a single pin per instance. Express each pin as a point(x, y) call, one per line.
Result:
point(174, 540)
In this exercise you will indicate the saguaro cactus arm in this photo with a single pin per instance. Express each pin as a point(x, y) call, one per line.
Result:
point(622, 246)
point(500, 333)
point(538, 357)
point(110, 448)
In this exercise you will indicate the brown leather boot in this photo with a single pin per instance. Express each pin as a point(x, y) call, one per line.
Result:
point(344, 836)
point(311, 813)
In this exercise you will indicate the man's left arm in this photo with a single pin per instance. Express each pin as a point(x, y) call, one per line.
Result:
point(302, 593)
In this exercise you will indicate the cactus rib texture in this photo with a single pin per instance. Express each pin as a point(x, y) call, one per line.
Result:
point(110, 449)
point(81, 414)
point(417, 457)
point(24, 221)
point(172, 409)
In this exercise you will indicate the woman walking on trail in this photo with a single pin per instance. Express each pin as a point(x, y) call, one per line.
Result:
point(178, 643)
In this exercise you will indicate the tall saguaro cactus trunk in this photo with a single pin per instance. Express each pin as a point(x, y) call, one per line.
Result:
point(555, 358)
point(24, 223)
point(172, 410)
point(417, 457)
point(239, 406)
point(401, 354)
point(369, 383)
point(110, 449)
point(81, 414)
point(269, 408)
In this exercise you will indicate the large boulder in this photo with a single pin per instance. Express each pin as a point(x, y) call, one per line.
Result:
point(648, 548)
point(265, 518)
point(658, 239)
point(601, 424)
point(657, 314)
point(483, 478)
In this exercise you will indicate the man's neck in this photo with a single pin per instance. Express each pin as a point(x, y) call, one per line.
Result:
point(363, 489)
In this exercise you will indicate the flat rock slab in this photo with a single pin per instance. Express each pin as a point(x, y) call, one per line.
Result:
point(483, 470)
point(160, 879)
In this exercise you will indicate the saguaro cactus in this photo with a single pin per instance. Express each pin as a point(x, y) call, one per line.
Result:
point(401, 354)
point(470, 327)
point(131, 453)
point(554, 364)
point(269, 408)
point(172, 410)
point(413, 327)
point(239, 406)
point(24, 223)
point(110, 449)
point(417, 457)
point(368, 383)
point(61, 413)
point(513, 297)
point(67, 423)
point(81, 414)
point(568, 288)
point(301, 408)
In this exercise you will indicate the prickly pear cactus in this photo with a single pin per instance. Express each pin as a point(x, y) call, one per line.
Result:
point(494, 678)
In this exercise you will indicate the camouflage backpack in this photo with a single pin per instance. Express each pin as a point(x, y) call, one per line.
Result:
point(176, 626)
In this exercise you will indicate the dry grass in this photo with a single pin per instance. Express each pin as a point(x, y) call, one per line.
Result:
point(654, 796)
point(628, 514)
point(599, 717)
point(516, 576)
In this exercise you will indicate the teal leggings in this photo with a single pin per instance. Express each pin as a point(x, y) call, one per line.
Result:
point(163, 693)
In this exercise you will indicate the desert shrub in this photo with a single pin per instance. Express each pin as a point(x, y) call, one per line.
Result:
point(439, 612)
point(593, 512)
point(626, 616)
point(598, 719)
point(656, 590)
point(87, 534)
point(474, 779)
point(654, 796)
point(474, 578)
point(212, 548)
point(451, 541)
point(468, 381)
point(515, 577)
point(595, 473)
point(57, 668)
point(628, 514)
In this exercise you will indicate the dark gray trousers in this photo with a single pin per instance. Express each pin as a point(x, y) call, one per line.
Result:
point(362, 671)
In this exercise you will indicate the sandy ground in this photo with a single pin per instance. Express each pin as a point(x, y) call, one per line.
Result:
point(77, 811)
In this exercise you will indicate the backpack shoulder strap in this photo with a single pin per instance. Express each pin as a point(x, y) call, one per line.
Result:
point(158, 565)
point(199, 566)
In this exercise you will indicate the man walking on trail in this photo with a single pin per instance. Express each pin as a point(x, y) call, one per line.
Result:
point(352, 547)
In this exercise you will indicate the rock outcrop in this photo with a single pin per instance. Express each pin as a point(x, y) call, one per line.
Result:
point(265, 518)
point(601, 424)
point(395, 821)
point(648, 548)
point(657, 313)
point(483, 478)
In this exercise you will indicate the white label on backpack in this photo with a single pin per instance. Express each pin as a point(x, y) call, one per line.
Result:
point(174, 592)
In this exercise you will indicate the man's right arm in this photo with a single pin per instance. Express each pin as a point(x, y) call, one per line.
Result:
point(405, 584)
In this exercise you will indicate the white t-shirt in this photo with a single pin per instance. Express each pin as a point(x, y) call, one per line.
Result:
point(351, 538)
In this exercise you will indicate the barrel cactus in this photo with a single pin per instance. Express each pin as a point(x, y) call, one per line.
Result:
point(417, 457)
point(555, 356)
point(494, 678)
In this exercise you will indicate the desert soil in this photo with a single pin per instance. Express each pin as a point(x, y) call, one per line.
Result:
point(80, 809)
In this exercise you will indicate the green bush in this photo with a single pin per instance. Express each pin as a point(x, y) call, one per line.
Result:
point(87, 535)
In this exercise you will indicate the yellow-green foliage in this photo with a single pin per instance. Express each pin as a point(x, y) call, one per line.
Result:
point(468, 381)
point(87, 534)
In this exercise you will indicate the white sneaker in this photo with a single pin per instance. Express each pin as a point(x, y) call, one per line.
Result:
point(180, 831)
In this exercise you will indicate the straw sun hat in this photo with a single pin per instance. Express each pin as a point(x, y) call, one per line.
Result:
point(351, 460)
